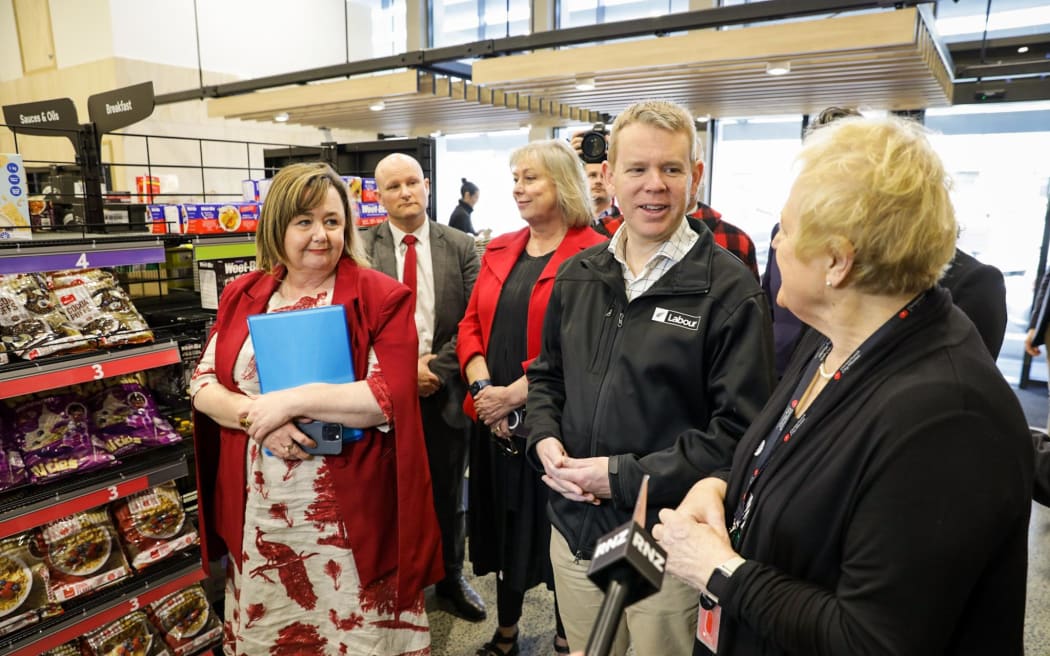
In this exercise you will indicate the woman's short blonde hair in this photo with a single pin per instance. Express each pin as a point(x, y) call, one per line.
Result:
point(295, 190)
point(878, 184)
point(661, 114)
point(563, 165)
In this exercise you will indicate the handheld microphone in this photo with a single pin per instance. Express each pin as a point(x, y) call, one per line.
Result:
point(629, 565)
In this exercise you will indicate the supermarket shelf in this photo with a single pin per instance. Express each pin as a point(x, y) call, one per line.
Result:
point(53, 251)
point(53, 255)
point(107, 606)
point(32, 506)
point(38, 376)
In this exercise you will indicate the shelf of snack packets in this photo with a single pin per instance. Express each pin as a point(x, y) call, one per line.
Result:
point(97, 553)
point(117, 576)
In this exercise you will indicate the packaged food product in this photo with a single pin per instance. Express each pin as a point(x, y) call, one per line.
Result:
point(82, 554)
point(31, 325)
point(23, 584)
point(186, 620)
point(56, 436)
point(71, 648)
point(14, 205)
point(95, 303)
point(131, 635)
point(126, 417)
point(218, 218)
point(153, 524)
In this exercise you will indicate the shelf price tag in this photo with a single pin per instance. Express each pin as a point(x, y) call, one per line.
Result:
point(30, 382)
point(105, 256)
point(67, 507)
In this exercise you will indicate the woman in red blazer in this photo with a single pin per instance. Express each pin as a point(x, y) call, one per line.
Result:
point(498, 337)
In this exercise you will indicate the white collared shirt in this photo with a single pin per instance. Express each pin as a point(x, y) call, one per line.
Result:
point(424, 281)
point(670, 253)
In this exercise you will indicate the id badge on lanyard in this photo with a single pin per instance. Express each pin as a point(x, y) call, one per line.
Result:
point(708, 622)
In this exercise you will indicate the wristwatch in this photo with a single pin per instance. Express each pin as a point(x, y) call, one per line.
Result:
point(479, 385)
point(719, 581)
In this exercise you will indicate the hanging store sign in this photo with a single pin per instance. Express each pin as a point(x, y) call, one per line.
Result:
point(50, 118)
point(120, 108)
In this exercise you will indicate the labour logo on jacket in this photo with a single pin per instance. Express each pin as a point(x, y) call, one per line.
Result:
point(674, 318)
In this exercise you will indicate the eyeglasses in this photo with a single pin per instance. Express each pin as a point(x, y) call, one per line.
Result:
point(515, 421)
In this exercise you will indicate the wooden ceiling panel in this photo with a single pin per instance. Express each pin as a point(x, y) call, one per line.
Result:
point(886, 60)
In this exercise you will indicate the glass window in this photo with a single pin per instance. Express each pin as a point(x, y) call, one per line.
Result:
point(484, 159)
point(996, 157)
point(464, 21)
point(752, 173)
point(575, 13)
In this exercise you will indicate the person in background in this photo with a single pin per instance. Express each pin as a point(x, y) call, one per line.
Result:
point(786, 326)
point(498, 337)
point(607, 217)
point(727, 235)
point(837, 529)
point(468, 198)
point(440, 266)
point(328, 554)
point(656, 356)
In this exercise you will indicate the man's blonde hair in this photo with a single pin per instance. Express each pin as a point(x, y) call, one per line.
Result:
point(661, 114)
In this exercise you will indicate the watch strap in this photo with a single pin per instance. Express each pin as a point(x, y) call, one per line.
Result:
point(718, 584)
point(479, 385)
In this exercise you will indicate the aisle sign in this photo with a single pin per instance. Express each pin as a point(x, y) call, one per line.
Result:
point(50, 118)
point(120, 108)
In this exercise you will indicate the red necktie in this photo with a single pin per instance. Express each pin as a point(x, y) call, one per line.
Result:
point(409, 275)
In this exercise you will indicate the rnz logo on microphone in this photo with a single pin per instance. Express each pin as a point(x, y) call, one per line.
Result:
point(649, 550)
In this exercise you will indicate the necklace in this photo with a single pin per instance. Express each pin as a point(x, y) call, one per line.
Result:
point(823, 374)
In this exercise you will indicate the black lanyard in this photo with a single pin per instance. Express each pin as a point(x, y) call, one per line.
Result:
point(784, 434)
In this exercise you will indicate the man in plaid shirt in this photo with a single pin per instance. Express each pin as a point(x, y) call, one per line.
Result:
point(727, 235)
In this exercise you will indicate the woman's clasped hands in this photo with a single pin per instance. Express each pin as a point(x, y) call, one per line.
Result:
point(268, 421)
point(695, 535)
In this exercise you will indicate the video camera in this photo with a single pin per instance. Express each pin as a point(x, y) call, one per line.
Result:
point(594, 145)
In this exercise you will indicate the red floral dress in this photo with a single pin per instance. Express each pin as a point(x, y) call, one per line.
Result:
point(298, 591)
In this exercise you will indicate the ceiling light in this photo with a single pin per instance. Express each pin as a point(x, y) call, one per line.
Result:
point(1022, 50)
point(778, 68)
point(585, 84)
point(280, 117)
point(377, 106)
point(702, 119)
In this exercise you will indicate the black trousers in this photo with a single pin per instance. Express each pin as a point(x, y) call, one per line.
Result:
point(447, 448)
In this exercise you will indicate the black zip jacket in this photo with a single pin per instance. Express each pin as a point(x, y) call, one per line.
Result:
point(665, 385)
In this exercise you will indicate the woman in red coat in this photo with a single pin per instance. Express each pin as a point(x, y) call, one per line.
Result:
point(498, 337)
point(328, 554)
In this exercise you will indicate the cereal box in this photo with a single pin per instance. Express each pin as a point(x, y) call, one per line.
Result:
point(369, 210)
point(218, 218)
point(14, 199)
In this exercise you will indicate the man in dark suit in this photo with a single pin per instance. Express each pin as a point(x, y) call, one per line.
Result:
point(442, 265)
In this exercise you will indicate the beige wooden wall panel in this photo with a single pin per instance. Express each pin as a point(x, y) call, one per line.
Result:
point(33, 22)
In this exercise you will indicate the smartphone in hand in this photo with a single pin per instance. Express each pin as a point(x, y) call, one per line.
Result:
point(327, 435)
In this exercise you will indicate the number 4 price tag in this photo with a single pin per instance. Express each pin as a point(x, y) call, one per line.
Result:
point(82, 261)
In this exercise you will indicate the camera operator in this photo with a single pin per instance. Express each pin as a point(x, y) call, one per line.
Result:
point(592, 147)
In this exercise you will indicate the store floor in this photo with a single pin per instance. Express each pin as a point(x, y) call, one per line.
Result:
point(451, 636)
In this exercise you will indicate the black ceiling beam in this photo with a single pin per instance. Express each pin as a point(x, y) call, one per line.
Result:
point(693, 20)
point(1000, 58)
point(999, 91)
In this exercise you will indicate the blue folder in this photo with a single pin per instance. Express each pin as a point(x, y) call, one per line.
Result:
point(303, 346)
